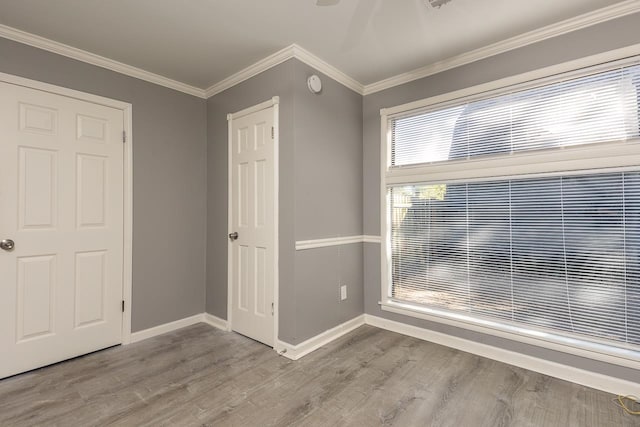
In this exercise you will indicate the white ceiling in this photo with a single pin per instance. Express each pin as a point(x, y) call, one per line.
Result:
point(201, 42)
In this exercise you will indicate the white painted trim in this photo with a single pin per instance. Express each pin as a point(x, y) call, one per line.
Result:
point(207, 318)
point(295, 352)
point(567, 344)
point(276, 224)
point(127, 267)
point(324, 67)
point(608, 13)
point(566, 70)
point(275, 103)
point(127, 111)
point(331, 241)
point(614, 156)
point(295, 51)
point(564, 372)
point(215, 321)
point(255, 108)
point(97, 60)
point(302, 245)
point(385, 219)
point(371, 239)
point(166, 327)
point(229, 220)
point(252, 70)
point(277, 58)
point(620, 155)
point(59, 90)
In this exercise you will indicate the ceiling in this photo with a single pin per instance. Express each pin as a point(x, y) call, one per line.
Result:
point(201, 42)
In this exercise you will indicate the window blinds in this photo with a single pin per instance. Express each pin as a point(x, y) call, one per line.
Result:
point(559, 253)
point(596, 108)
point(554, 247)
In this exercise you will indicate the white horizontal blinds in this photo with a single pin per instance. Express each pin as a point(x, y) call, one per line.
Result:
point(597, 108)
point(538, 259)
point(424, 138)
point(632, 258)
point(489, 236)
point(558, 253)
point(430, 250)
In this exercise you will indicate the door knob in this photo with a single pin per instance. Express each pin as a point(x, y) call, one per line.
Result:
point(233, 236)
point(7, 244)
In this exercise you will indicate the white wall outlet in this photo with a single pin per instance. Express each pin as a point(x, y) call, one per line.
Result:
point(343, 292)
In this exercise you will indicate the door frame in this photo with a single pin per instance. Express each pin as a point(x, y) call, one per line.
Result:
point(127, 109)
point(275, 103)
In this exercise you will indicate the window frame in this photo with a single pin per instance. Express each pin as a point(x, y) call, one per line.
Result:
point(612, 156)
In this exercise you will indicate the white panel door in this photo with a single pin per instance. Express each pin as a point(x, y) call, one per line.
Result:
point(252, 217)
point(61, 202)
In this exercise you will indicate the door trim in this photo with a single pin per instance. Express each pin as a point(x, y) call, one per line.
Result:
point(127, 108)
point(273, 102)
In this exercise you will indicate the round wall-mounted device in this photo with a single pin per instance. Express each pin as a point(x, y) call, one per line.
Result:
point(314, 83)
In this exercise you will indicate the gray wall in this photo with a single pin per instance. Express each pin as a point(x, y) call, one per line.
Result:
point(320, 197)
point(328, 203)
point(600, 38)
point(169, 179)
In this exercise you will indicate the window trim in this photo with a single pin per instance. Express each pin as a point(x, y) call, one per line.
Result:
point(540, 77)
point(607, 156)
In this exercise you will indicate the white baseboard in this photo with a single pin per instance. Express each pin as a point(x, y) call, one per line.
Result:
point(295, 352)
point(177, 324)
point(166, 327)
point(564, 372)
point(215, 321)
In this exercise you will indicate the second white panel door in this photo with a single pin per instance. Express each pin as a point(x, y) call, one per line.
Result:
point(252, 218)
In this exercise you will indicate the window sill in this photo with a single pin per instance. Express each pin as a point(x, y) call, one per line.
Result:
point(593, 350)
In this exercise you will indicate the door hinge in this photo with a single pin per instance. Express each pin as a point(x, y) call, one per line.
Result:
point(124, 136)
point(272, 309)
point(272, 133)
point(123, 306)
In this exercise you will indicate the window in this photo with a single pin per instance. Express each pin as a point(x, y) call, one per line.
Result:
point(518, 211)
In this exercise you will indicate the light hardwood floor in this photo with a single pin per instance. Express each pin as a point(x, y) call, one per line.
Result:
point(201, 376)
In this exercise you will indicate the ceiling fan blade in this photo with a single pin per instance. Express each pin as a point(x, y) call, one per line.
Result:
point(438, 3)
point(327, 2)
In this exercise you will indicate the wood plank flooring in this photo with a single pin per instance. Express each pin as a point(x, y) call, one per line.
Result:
point(201, 376)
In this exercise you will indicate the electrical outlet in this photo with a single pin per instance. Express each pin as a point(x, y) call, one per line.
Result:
point(343, 292)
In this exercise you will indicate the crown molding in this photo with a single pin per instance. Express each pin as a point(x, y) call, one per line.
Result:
point(608, 13)
point(324, 67)
point(617, 10)
point(252, 70)
point(97, 60)
point(291, 51)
